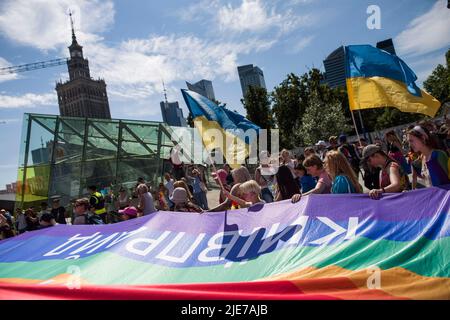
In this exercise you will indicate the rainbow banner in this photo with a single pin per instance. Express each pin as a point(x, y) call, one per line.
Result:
point(323, 247)
point(376, 78)
point(222, 129)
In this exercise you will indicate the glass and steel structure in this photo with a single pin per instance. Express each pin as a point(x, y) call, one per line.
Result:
point(62, 156)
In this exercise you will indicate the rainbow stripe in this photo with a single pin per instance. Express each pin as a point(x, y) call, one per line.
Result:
point(323, 247)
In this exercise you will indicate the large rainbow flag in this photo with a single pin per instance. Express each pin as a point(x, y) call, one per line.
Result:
point(323, 247)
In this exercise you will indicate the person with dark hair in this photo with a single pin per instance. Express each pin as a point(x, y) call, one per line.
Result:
point(47, 220)
point(286, 185)
point(228, 169)
point(6, 229)
point(83, 215)
point(97, 202)
point(58, 211)
point(314, 167)
point(44, 209)
point(349, 152)
point(392, 177)
point(395, 150)
point(304, 180)
point(32, 219)
point(435, 162)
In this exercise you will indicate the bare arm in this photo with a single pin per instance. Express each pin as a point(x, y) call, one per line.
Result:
point(318, 189)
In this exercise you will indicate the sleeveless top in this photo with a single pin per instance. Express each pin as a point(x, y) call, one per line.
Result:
point(384, 176)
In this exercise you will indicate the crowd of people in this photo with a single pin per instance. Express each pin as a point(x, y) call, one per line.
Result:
point(389, 165)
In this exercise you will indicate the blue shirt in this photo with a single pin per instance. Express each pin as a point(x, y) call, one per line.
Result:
point(342, 184)
point(307, 183)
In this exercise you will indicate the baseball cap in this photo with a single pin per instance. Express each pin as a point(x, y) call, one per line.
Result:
point(370, 150)
point(129, 211)
point(321, 143)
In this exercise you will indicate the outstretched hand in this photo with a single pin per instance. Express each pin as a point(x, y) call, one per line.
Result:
point(296, 198)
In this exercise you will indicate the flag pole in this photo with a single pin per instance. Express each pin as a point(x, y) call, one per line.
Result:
point(347, 72)
point(356, 128)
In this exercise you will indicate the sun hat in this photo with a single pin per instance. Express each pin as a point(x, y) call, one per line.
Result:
point(179, 195)
point(129, 211)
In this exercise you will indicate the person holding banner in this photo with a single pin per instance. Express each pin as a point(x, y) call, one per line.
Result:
point(435, 163)
point(314, 167)
point(250, 191)
point(392, 177)
point(340, 170)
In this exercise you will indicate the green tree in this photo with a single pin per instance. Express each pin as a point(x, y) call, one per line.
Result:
point(438, 83)
point(256, 103)
point(292, 98)
point(287, 110)
point(322, 120)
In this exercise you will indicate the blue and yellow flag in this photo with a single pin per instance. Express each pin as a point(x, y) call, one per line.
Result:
point(221, 128)
point(376, 78)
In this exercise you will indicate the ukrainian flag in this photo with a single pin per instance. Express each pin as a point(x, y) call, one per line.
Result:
point(221, 128)
point(376, 78)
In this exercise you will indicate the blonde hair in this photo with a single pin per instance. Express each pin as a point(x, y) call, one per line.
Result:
point(142, 188)
point(250, 186)
point(337, 164)
point(240, 175)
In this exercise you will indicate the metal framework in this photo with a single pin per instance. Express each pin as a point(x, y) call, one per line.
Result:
point(83, 151)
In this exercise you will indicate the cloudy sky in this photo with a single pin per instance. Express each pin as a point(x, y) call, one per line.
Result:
point(135, 44)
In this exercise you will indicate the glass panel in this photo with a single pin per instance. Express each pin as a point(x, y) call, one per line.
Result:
point(139, 139)
point(101, 173)
point(69, 146)
point(102, 140)
point(131, 169)
point(41, 140)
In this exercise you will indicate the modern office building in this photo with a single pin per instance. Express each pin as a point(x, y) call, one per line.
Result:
point(81, 96)
point(335, 68)
point(203, 87)
point(250, 75)
point(335, 63)
point(386, 45)
point(172, 114)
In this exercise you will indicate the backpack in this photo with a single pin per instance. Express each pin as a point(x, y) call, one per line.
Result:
point(92, 219)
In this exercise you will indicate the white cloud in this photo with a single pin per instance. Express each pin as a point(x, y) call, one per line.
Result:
point(426, 33)
point(301, 44)
point(136, 67)
point(254, 16)
point(425, 66)
point(44, 24)
point(8, 76)
point(28, 100)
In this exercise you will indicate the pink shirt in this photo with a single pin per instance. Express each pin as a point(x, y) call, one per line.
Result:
point(325, 179)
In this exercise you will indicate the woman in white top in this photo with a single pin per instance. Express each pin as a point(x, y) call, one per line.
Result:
point(146, 204)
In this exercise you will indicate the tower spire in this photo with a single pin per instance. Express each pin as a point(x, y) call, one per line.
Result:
point(74, 39)
point(165, 92)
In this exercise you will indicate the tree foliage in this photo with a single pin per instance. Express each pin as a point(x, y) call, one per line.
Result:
point(257, 104)
point(322, 120)
point(438, 83)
